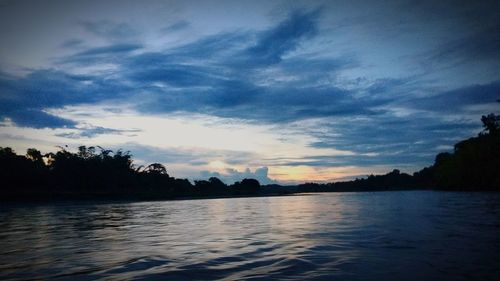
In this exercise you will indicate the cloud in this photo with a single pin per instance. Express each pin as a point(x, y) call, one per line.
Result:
point(216, 48)
point(206, 76)
point(36, 119)
point(173, 80)
point(89, 131)
point(173, 74)
point(457, 99)
point(109, 30)
point(272, 44)
point(411, 139)
point(464, 35)
point(230, 176)
point(71, 43)
point(109, 50)
point(193, 156)
point(230, 85)
point(25, 99)
point(483, 44)
point(177, 26)
point(194, 163)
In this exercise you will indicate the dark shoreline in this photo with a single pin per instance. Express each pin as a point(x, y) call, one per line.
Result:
point(107, 199)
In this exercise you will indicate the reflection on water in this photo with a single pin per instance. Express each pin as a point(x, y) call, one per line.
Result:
point(348, 236)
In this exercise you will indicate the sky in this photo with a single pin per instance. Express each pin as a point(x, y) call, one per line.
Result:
point(281, 91)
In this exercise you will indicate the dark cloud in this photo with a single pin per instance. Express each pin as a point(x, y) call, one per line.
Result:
point(272, 44)
point(24, 99)
point(177, 26)
point(221, 46)
point(109, 30)
point(244, 100)
point(482, 45)
point(227, 82)
point(455, 100)
point(37, 119)
point(177, 75)
point(463, 32)
point(109, 50)
point(71, 43)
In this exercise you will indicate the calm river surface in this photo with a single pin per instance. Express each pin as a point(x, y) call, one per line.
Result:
point(408, 235)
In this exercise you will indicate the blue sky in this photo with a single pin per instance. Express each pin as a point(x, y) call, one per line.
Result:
point(283, 91)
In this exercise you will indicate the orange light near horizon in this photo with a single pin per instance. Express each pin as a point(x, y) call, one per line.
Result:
point(301, 174)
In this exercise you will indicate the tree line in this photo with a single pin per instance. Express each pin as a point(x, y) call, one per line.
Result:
point(474, 164)
point(95, 172)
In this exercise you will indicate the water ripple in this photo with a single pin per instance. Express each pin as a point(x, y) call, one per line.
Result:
point(347, 236)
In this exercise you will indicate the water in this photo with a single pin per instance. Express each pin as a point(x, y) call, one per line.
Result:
point(412, 235)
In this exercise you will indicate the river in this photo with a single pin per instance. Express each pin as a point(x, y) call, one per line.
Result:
point(406, 235)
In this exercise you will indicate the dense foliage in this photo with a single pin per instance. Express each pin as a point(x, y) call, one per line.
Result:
point(475, 162)
point(89, 173)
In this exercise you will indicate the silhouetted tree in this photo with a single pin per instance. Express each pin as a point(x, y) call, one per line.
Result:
point(35, 156)
point(491, 124)
point(246, 187)
point(474, 163)
point(155, 169)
